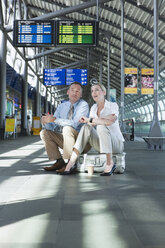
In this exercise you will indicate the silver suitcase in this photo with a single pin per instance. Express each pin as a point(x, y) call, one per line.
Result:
point(93, 158)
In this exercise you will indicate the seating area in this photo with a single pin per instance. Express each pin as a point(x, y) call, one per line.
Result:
point(155, 143)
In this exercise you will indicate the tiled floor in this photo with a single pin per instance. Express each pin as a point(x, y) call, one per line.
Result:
point(41, 209)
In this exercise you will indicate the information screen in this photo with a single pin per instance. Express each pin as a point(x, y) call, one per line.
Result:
point(33, 33)
point(76, 33)
point(54, 77)
point(76, 75)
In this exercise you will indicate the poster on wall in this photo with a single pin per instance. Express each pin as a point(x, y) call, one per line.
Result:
point(147, 81)
point(130, 83)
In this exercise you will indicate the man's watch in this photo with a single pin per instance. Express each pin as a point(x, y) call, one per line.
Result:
point(91, 120)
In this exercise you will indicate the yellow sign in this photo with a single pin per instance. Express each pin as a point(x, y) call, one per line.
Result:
point(148, 91)
point(10, 125)
point(130, 90)
point(130, 70)
point(36, 125)
point(36, 122)
point(147, 81)
point(148, 71)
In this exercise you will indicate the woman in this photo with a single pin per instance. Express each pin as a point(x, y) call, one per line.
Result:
point(101, 131)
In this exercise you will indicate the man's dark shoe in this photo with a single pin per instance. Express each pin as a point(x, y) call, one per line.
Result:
point(56, 166)
point(61, 170)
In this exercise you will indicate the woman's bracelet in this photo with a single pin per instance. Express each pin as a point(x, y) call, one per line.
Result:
point(91, 120)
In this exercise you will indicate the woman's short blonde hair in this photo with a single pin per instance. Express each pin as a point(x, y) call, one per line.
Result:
point(102, 87)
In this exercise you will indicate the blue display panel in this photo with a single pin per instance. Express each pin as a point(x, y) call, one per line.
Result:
point(33, 33)
point(76, 75)
point(54, 77)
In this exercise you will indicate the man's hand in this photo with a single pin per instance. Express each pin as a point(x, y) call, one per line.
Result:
point(47, 119)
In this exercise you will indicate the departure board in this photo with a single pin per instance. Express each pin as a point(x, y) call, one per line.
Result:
point(54, 77)
point(33, 33)
point(76, 75)
point(76, 33)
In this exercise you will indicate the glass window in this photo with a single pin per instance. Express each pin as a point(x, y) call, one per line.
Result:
point(161, 105)
point(146, 109)
point(142, 110)
point(163, 115)
point(150, 106)
point(159, 116)
point(149, 117)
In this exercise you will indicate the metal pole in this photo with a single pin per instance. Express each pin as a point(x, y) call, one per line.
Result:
point(37, 107)
point(24, 130)
point(88, 64)
point(46, 101)
point(108, 86)
point(122, 65)
point(3, 42)
point(101, 70)
point(97, 4)
point(155, 130)
point(156, 61)
point(24, 100)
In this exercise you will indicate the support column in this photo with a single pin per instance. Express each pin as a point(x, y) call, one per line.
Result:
point(108, 61)
point(87, 64)
point(24, 101)
point(51, 104)
point(3, 42)
point(101, 71)
point(46, 101)
point(38, 99)
point(122, 66)
point(155, 130)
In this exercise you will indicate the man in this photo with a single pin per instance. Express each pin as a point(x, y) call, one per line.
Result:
point(66, 115)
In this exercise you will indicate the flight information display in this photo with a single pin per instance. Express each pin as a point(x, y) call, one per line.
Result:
point(76, 33)
point(76, 75)
point(54, 77)
point(33, 33)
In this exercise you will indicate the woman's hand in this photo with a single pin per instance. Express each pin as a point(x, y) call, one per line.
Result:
point(84, 119)
point(47, 119)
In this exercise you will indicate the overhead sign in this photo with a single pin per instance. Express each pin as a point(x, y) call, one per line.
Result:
point(76, 75)
point(54, 77)
point(33, 33)
point(77, 33)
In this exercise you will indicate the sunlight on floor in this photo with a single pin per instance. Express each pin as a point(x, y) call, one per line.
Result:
point(30, 230)
point(9, 162)
point(100, 228)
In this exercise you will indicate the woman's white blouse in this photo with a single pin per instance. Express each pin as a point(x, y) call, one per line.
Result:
point(109, 108)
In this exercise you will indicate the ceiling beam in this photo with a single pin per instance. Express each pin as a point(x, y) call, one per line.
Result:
point(69, 10)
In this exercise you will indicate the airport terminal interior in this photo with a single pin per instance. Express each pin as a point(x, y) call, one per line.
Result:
point(45, 45)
